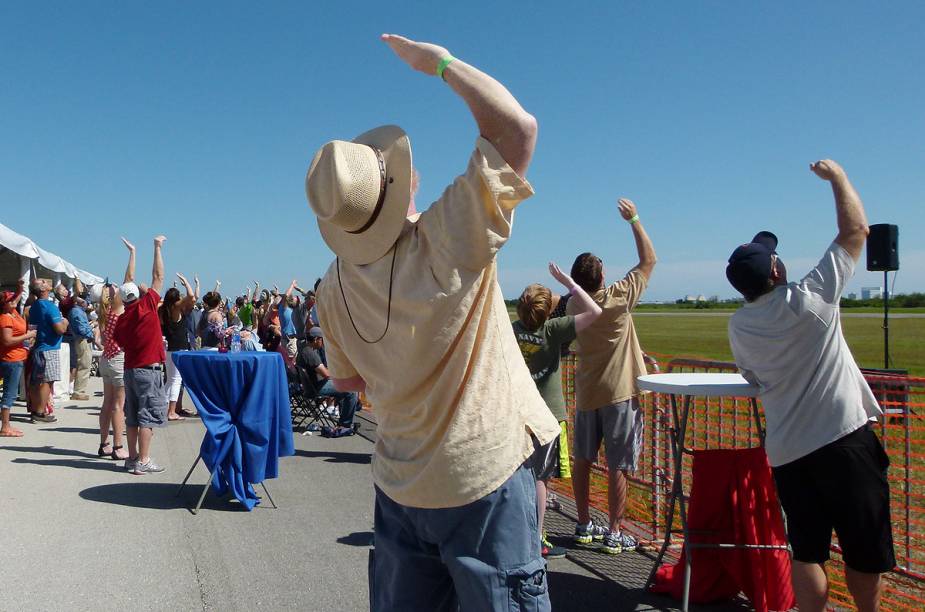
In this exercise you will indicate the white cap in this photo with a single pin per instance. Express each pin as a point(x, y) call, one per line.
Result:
point(129, 292)
point(96, 293)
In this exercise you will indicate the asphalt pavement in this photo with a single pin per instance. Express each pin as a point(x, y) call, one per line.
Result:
point(80, 533)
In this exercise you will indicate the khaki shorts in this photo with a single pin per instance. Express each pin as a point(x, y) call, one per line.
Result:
point(112, 370)
point(620, 427)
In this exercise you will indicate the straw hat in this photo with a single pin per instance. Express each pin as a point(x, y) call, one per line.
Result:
point(360, 192)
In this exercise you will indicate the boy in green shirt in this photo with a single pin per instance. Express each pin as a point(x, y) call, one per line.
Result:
point(540, 339)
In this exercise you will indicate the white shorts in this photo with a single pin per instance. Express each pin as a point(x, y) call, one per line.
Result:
point(174, 380)
point(113, 370)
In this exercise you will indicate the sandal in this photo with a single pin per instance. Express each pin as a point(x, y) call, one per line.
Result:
point(101, 453)
point(115, 455)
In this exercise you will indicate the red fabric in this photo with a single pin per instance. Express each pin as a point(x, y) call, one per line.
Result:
point(733, 501)
point(138, 332)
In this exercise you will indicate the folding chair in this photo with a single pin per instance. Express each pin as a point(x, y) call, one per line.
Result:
point(314, 406)
point(297, 402)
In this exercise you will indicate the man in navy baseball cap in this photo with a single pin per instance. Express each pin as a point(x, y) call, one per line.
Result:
point(754, 268)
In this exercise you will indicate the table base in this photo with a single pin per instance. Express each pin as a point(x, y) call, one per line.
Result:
point(208, 484)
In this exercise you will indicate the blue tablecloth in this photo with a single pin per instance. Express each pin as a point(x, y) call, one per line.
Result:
point(243, 401)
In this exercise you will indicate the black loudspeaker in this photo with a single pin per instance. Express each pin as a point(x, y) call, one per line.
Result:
point(883, 248)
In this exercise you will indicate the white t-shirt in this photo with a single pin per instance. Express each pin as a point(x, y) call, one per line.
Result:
point(789, 343)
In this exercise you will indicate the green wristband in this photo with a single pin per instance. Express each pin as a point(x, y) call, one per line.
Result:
point(446, 61)
point(633, 220)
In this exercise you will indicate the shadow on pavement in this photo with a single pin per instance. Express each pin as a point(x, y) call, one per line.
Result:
point(89, 430)
point(50, 450)
point(74, 463)
point(580, 593)
point(337, 457)
point(157, 496)
point(357, 538)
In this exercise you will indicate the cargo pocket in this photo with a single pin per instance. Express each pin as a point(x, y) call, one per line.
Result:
point(527, 587)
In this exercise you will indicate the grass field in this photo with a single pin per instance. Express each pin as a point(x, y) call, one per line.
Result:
point(705, 337)
point(691, 336)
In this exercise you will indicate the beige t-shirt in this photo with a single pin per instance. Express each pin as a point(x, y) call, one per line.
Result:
point(454, 400)
point(609, 356)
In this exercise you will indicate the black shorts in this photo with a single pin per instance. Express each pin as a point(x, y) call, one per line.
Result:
point(841, 486)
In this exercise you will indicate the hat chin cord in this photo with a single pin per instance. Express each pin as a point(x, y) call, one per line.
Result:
point(388, 316)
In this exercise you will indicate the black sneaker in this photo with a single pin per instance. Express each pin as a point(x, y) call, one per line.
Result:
point(551, 551)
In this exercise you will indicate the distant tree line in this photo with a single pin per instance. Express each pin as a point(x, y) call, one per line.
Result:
point(901, 300)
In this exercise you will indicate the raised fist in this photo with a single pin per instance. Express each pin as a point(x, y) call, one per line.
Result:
point(627, 208)
point(827, 170)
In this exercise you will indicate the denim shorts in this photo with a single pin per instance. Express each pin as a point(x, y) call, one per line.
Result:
point(481, 556)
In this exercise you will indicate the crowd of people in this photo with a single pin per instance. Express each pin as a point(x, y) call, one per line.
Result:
point(135, 331)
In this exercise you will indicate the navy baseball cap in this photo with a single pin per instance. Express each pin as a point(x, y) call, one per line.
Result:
point(750, 264)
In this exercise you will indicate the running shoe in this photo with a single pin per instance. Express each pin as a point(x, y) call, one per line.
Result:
point(616, 542)
point(147, 468)
point(552, 502)
point(589, 534)
point(130, 464)
point(551, 551)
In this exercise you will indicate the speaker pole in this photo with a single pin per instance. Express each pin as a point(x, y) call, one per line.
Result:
point(886, 321)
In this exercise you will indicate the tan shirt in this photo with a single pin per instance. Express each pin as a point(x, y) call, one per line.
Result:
point(609, 356)
point(454, 400)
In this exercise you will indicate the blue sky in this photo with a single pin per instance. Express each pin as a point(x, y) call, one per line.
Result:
point(199, 120)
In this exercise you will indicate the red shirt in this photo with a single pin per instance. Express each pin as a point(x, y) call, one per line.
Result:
point(111, 348)
point(138, 332)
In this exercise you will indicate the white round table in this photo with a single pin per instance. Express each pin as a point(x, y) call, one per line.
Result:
point(698, 384)
point(690, 385)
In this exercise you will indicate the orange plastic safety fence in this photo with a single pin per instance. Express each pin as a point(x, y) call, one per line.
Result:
point(729, 423)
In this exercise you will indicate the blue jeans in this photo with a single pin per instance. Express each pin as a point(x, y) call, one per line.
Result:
point(481, 556)
point(349, 403)
point(11, 372)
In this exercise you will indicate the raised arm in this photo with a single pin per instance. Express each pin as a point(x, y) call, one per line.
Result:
point(218, 285)
point(644, 246)
point(588, 311)
point(849, 210)
point(196, 291)
point(187, 302)
point(130, 268)
point(500, 118)
point(157, 269)
point(291, 288)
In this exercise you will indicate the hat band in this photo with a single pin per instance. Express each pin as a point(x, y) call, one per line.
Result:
point(382, 190)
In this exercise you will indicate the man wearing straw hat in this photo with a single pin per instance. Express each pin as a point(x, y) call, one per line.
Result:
point(413, 315)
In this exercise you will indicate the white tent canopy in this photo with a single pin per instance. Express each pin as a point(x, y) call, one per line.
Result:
point(21, 258)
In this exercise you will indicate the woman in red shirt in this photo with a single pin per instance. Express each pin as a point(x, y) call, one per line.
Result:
point(13, 354)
